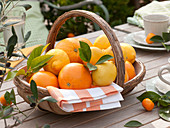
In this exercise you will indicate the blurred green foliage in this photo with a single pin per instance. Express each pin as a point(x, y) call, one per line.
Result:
point(119, 10)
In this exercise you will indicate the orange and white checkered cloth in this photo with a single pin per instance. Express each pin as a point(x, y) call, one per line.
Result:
point(99, 98)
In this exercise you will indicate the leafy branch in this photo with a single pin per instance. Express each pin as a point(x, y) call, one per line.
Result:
point(162, 39)
point(163, 102)
point(85, 55)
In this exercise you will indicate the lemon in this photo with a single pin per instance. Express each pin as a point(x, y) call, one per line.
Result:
point(105, 74)
point(102, 42)
point(109, 51)
point(57, 62)
point(129, 52)
point(96, 54)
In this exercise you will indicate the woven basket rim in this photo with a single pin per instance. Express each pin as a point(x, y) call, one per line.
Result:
point(45, 91)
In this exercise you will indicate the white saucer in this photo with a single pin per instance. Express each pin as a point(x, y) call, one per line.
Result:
point(129, 39)
point(140, 38)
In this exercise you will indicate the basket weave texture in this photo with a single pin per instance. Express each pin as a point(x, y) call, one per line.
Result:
point(23, 87)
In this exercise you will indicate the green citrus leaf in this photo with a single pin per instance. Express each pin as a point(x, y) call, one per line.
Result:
point(40, 61)
point(48, 98)
point(21, 72)
point(91, 67)
point(7, 97)
point(104, 58)
point(164, 113)
point(7, 111)
point(133, 123)
point(31, 99)
point(12, 96)
point(149, 94)
point(34, 90)
point(35, 53)
point(166, 36)
point(168, 93)
point(157, 39)
point(84, 52)
point(11, 75)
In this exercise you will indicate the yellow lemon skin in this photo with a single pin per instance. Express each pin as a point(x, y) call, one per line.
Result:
point(105, 74)
point(109, 51)
point(57, 62)
point(102, 42)
point(129, 52)
point(96, 54)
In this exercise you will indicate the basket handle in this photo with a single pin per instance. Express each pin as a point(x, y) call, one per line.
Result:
point(119, 61)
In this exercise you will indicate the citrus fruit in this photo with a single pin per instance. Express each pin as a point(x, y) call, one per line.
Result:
point(70, 35)
point(57, 62)
point(96, 54)
point(44, 79)
point(85, 40)
point(102, 42)
point(108, 51)
point(105, 74)
point(149, 36)
point(3, 101)
point(71, 47)
point(130, 70)
point(126, 77)
point(129, 52)
point(148, 104)
point(74, 76)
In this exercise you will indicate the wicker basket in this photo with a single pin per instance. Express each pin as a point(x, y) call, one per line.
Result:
point(23, 87)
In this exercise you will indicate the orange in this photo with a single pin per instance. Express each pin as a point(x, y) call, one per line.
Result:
point(57, 62)
point(148, 104)
point(85, 40)
point(130, 70)
point(96, 54)
point(102, 42)
point(3, 101)
point(149, 36)
point(126, 77)
point(44, 79)
point(70, 35)
point(74, 76)
point(129, 52)
point(71, 47)
point(109, 51)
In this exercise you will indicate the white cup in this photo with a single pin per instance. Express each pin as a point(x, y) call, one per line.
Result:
point(156, 23)
point(166, 67)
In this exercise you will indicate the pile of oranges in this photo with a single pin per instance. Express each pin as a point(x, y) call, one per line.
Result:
point(66, 70)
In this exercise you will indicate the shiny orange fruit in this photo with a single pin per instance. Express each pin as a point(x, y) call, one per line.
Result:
point(148, 104)
point(44, 79)
point(74, 76)
point(130, 69)
point(70, 35)
point(85, 40)
point(71, 47)
point(149, 36)
point(3, 101)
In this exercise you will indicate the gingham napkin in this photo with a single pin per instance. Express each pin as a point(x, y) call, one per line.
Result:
point(99, 98)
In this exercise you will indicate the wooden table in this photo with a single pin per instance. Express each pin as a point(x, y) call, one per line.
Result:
point(115, 118)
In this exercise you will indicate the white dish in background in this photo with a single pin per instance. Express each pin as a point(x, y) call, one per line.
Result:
point(140, 38)
point(129, 39)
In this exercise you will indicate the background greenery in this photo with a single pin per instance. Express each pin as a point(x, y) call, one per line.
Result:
point(118, 10)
